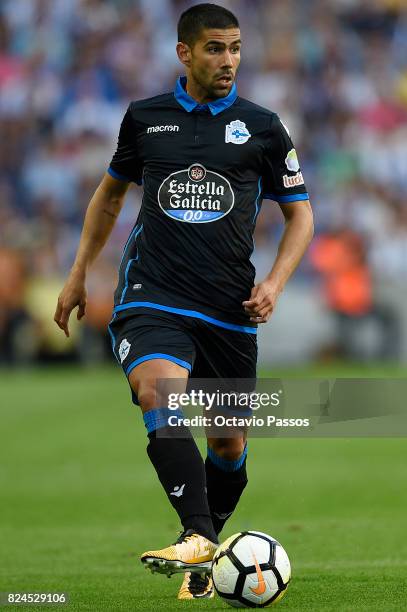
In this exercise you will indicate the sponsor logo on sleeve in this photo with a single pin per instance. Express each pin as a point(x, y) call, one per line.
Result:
point(196, 195)
point(237, 132)
point(293, 181)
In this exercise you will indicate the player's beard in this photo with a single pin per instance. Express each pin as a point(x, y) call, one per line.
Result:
point(213, 88)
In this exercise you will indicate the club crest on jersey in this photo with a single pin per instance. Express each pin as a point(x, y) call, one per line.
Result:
point(196, 195)
point(237, 132)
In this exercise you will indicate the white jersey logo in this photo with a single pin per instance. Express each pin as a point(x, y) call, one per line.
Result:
point(237, 132)
point(196, 195)
point(124, 349)
point(162, 128)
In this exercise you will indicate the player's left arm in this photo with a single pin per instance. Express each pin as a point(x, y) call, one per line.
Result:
point(283, 182)
point(298, 232)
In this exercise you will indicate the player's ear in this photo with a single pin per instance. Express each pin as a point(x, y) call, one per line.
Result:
point(184, 53)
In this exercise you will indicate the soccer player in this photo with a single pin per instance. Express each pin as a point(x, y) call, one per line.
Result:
point(186, 303)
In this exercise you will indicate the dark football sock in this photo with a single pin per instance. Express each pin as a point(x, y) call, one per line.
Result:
point(180, 469)
point(225, 481)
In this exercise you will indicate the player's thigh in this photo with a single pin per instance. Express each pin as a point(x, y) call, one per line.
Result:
point(155, 352)
point(224, 368)
point(152, 381)
point(224, 354)
point(226, 364)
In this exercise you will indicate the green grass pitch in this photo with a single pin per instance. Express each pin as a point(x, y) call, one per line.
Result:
point(80, 502)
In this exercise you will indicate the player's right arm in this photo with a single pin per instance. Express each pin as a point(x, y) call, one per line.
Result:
point(100, 218)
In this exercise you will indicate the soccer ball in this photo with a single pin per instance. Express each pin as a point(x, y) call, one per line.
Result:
point(251, 570)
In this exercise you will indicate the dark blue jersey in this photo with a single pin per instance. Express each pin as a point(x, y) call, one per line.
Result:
point(205, 170)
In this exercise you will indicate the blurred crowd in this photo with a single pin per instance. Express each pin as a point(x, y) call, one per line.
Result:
point(334, 70)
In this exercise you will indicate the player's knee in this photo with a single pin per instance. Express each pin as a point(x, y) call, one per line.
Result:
point(147, 396)
point(230, 449)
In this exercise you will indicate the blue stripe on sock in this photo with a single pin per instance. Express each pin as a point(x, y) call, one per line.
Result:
point(225, 464)
point(158, 418)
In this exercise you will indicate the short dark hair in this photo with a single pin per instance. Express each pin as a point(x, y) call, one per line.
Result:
point(201, 17)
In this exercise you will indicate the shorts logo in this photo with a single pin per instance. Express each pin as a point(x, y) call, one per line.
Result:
point(124, 349)
point(196, 195)
point(293, 181)
point(237, 132)
point(291, 161)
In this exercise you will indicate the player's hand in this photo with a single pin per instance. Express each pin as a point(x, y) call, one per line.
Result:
point(262, 301)
point(73, 294)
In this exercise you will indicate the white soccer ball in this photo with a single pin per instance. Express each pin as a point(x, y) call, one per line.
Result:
point(251, 570)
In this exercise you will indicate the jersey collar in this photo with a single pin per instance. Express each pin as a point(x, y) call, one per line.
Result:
point(189, 104)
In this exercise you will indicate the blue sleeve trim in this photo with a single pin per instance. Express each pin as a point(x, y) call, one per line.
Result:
point(121, 177)
point(179, 362)
point(187, 313)
point(116, 175)
point(158, 418)
point(224, 464)
point(281, 199)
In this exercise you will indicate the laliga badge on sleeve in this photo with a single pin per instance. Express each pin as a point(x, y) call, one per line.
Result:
point(291, 161)
point(237, 132)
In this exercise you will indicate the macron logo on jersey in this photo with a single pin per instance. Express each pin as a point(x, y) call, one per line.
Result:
point(163, 128)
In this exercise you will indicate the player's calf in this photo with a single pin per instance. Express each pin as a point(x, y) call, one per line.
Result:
point(226, 478)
